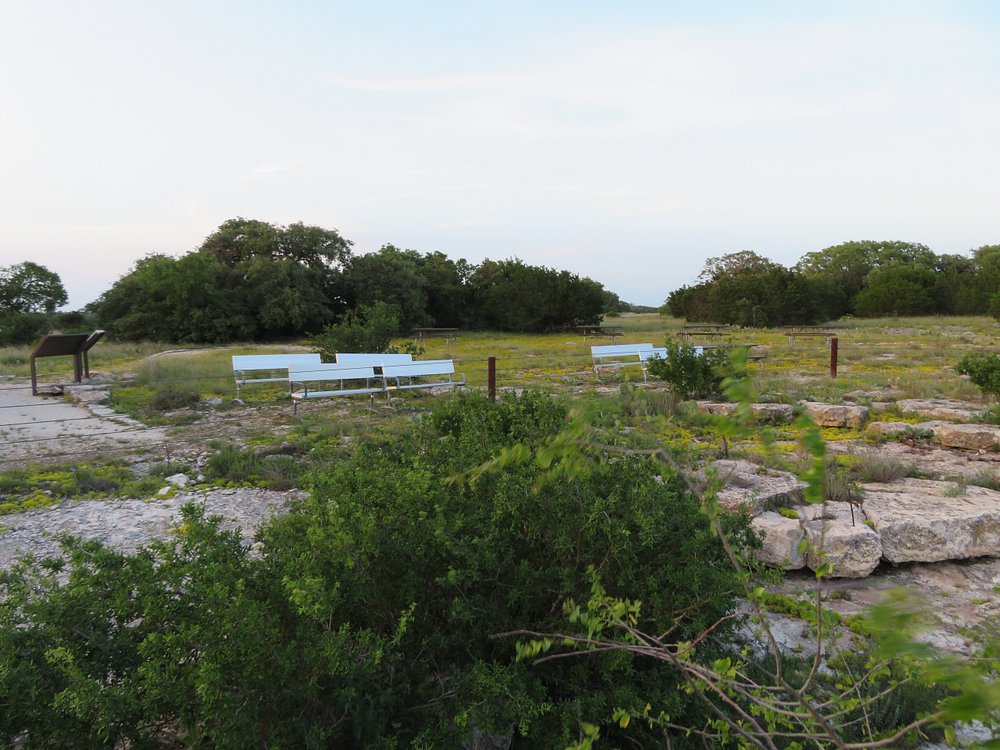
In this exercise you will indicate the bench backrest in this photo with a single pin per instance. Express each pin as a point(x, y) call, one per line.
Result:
point(648, 354)
point(358, 359)
point(244, 362)
point(306, 373)
point(619, 350)
point(420, 368)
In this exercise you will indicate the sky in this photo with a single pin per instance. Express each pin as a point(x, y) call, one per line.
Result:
point(625, 141)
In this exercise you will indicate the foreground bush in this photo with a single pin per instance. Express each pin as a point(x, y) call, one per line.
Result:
point(373, 617)
point(983, 370)
point(690, 374)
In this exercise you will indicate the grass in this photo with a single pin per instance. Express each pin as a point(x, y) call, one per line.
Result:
point(913, 355)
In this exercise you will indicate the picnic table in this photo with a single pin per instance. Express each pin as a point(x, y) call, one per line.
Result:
point(448, 334)
point(600, 332)
point(794, 332)
point(689, 332)
point(758, 357)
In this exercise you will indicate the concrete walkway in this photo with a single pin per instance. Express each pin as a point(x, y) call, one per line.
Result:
point(40, 427)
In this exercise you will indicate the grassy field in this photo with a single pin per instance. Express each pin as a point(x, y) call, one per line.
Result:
point(914, 355)
point(164, 385)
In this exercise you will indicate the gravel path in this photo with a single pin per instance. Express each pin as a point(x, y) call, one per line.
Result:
point(127, 525)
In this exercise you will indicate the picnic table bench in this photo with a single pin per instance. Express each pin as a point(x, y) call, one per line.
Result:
point(324, 380)
point(448, 334)
point(405, 375)
point(272, 367)
point(600, 332)
point(327, 380)
point(616, 356)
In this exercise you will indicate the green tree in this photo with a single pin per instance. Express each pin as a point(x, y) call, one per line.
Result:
point(240, 241)
point(30, 288)
point(189, 299)
point(747, 289)
point(904, 289)
point(510, 295)
point(848, 264)
point(391, 276)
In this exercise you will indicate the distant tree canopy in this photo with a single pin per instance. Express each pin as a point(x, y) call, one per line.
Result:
point(867, 279)
point(29, 296)
point(251, 280)
point(30, 288)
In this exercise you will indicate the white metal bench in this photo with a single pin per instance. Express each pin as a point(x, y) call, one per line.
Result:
point(244, 364)
point(359, 359)
point(326, 380)
point(404, 375)
point(615, 356)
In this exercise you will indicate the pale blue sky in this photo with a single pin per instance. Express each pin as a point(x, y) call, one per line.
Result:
point(627, 144)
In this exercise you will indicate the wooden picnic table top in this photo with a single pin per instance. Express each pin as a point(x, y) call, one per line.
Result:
point(707, 326)
point(434, 330)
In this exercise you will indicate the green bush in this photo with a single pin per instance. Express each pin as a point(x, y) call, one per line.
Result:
point(374, 615)
point(367, 328)
point(983, 369)
point(690, 374)
point(391, 529)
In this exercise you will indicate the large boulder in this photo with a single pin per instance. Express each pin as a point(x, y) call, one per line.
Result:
point(892, 429)
point(836, 415)
point(781, 537)
point(754, 488)
point(772, 413)
point(940, 408)
point(921, 520)
point(978, 437)
point(840, 532)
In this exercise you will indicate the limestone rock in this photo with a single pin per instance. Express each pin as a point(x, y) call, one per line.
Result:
point(983, 437)
point(754, 488)
point(781, 537)
point(89, 394)
point(773, 413)
point(853, 548)
point(178, 480)
point(891, 429)
point(836, 415)
point(922, 520)
point(940, 408)
point(878, 394)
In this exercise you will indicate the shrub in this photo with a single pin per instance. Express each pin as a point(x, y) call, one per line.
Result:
point(372, 617)
point(173, 397)
point(983, 369)
point(874, 467)
point(367, 328)
point(391, 529)
point(690, 374)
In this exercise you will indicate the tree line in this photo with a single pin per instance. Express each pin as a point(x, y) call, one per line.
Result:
point(865, 279)
point(253, 280)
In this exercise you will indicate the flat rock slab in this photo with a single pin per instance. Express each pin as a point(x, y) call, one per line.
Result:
point(771, 413)
point(981, 437)
point(840, 532)
point(933, 461)
point(836, 415)
point(878, 394)
point(893, 429)
point(922, 520)
point(754, 488)
point(940, 408)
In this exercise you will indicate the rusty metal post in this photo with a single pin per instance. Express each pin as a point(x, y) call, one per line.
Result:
point(833, 357)
point(491, 377)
